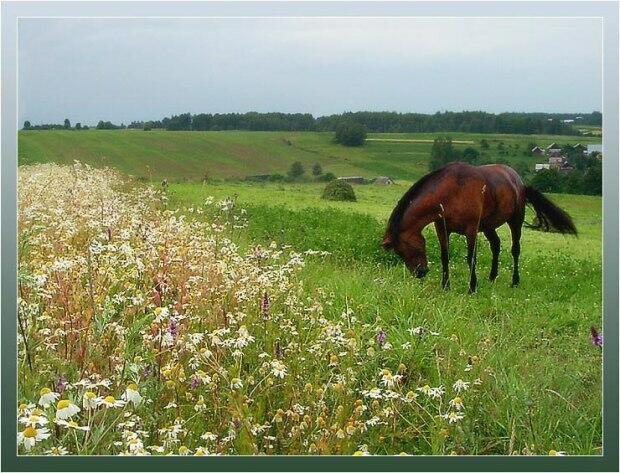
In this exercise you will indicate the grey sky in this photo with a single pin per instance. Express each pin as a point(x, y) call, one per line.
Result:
point(136, 69)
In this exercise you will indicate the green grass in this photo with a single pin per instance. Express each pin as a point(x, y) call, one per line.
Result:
point(544, 373)
point(542, 378)
point(190, 155)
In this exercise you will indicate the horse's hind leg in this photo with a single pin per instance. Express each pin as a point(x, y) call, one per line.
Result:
point(471, 259)
point(443, 236)
point(495, 246)
point(515, 224)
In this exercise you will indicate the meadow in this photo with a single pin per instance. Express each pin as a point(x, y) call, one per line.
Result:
point(192, 156)
point(259, 318)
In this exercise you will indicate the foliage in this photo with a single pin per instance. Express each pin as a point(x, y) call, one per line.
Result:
point(27, 125)
point(442, 153)
point(470, 155)
point(350, 134)
point(327, 177)
point(339, 190)
point(67, 124)
point(106, 125)
point(317, 170)
point(296, 170)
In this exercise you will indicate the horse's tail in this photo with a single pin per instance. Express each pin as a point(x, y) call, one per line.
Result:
point(548, 215)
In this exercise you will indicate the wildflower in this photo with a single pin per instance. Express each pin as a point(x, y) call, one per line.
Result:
point(426, 389)
point(66, 409)
point(62, 384)
point(278, 369)
point(131, 394)
point(265, 305)
point(597, 337)
point(457, 403)
point(200, 404)
point(57, 451)
point(90, 400)
point(33, 420)
point(236, 383)
point(555, 453)
point(72, 425)
point(333, 360)
point(453, 417)
point(410, 396)
point(31, 435)
point(183, 450)
point(460, 385)
point(47, 397)
point(111, 402)
point(208, 436)
point(381, 337)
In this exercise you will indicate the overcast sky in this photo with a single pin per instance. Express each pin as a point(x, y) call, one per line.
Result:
point(139, 69)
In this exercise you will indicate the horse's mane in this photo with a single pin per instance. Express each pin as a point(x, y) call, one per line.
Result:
point(405, 201)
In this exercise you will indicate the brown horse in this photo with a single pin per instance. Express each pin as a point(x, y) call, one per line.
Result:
point(465, 199)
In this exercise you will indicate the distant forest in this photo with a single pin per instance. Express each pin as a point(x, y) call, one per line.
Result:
point(375, 122)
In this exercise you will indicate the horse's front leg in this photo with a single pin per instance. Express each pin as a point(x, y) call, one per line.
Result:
point(443, 236)
point(471, 259)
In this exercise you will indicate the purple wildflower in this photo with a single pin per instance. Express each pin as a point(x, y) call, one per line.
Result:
point(173, 328)
point(195, 382)
point(597, 337)
point(264, 306)
point(62, 384)
point(381, 336)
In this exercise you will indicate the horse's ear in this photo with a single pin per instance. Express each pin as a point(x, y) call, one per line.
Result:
point(387, 242)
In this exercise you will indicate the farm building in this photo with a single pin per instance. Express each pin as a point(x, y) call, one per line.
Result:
point(556, 162)
point(556, 153)
point(553, 146)
point(537, 151)
point(384, 180)
point(541, 166)
point(580, 147)
point(353, 179)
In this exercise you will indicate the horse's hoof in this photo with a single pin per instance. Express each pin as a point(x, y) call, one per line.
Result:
point(471, 291)
point(492, 277)
point(445, 286)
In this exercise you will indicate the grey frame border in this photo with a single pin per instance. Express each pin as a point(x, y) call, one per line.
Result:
point(11, 10)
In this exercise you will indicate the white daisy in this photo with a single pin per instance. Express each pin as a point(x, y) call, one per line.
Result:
point(72, 425)
point(47, 397)
point(278, 369)
point(33, 420)
point(131, 394)
point(31, 435)
point(110, 402)
point(66, 409)
point(90, 400)
point(457, 403)
point(460, 385)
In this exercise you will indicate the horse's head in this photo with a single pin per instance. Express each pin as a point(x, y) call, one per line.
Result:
point(411, 247)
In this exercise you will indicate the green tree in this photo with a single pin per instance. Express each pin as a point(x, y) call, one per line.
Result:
point(350, 134)
point(470, 155)
point(593, 179)
point(442, 153)
point(317, 170)
point(484, 144)
point(78, 126)
point(67, 124)
point(27, 125)
point(296, 170)
point(548, 180)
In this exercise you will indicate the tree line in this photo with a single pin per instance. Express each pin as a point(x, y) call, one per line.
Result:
point(377, 122)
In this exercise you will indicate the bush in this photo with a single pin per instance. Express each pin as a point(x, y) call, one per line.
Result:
point(339, 190)
point(297, 170)
point(350, 134)
point(317, 170)
point(327, 177)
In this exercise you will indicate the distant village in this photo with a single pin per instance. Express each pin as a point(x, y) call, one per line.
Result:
point(557, 160)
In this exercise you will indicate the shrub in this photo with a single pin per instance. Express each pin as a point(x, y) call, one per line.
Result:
point(297, 170)
point(339, 190)
point(350, 134)
point(317, 170)
point(327, 177)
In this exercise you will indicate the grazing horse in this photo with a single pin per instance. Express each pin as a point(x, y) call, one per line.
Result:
point(464, 199)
